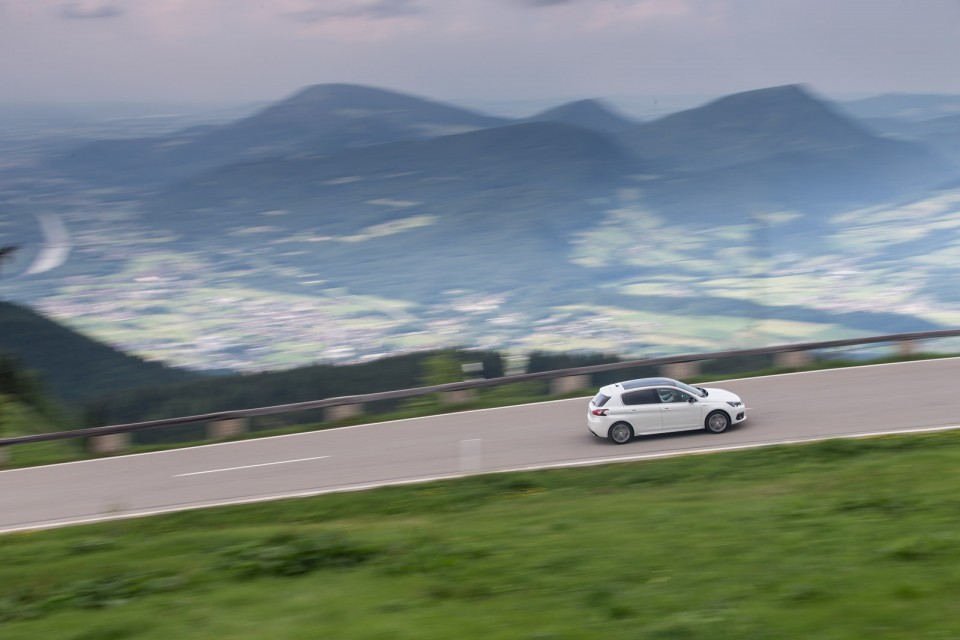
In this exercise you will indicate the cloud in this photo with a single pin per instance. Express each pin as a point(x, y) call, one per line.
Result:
point(617, 14)
point(89, 9)
point(322, 10)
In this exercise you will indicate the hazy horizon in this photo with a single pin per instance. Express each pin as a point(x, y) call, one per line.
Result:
point(230, 52)
point(637, 106)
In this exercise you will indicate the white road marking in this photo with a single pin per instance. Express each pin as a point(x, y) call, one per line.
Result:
point(248, 466)
point(471, 452)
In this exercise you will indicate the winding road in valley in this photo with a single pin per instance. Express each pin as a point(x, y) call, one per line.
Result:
point(905, 397)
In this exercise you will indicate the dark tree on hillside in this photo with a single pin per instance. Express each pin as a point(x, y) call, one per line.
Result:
point(5, 254)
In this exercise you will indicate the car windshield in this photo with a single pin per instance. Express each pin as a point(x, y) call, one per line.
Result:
point(700, 393)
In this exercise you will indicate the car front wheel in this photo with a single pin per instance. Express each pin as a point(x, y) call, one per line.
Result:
point(621, 433)
point(717, 422)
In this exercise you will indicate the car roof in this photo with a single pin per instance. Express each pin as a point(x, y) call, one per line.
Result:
point(648, 382)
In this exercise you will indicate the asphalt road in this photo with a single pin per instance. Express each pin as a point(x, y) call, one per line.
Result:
point(786, 408)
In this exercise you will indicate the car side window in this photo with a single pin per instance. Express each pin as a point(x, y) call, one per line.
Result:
point(644, 396)
point(671, 396)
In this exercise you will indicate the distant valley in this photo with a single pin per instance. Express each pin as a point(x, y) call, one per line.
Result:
point(347, 222)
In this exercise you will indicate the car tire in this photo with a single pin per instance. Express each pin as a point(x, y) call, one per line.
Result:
point(620, 433)
point(717, 422)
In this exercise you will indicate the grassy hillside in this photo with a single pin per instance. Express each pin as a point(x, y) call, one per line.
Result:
point(837, 540)
point(18, 418)
point(72, 365)
point(25, 410)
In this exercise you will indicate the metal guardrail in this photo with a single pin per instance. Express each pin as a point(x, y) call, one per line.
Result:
point(474, 384)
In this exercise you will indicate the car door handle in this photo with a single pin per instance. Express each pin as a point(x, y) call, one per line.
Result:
point(665, 408)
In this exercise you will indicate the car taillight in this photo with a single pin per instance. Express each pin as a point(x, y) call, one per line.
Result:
point(599, 412)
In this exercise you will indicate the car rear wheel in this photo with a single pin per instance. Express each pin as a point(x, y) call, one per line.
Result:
point(621, 433)
point(717, 422)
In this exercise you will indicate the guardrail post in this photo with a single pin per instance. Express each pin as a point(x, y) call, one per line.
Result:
point(342, 412)
point(566, 384)
point(220, 429)
point(792, 359)
point(906, 347)
point(110, 443)
point(681, 370)
point(4, 456)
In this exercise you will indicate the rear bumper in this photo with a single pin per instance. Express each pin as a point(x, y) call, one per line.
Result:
point(597, 428)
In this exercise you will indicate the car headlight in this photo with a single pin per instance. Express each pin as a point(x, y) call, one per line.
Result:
point(735, 404)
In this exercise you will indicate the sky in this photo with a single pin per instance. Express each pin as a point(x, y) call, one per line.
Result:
point(236, 51)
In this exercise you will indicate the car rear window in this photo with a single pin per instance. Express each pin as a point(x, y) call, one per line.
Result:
point(599, 400)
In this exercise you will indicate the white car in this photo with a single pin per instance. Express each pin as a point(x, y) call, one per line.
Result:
point(657, 405)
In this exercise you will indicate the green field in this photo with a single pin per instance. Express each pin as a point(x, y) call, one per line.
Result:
point(835, 540)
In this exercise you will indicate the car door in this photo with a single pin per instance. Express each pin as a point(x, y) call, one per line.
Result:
point(642, 410)
point(677, 411)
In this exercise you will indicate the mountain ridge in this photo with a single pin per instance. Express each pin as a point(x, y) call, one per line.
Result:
point(743, 127)
point(318, 120)
point(588, 114)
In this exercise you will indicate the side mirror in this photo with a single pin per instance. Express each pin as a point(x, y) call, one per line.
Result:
point(691, 399)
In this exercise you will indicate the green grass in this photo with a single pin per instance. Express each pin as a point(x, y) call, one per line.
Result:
point(833, 540)
point(19, 419)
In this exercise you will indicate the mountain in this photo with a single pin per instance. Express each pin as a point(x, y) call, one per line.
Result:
point(514, 192)
point(395, 234)
point(588, 114)
point(816, 184)
point(522, 192)
point(941, 134)
point(767, 148)
point(72, 366)
point(904, 106)
point(747, 127)
point(542, 159)
point(321, 119)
